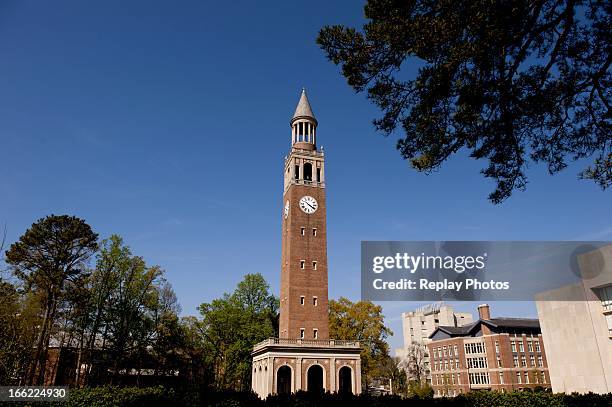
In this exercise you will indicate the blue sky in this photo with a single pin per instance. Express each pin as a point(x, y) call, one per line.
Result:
point(167, 123)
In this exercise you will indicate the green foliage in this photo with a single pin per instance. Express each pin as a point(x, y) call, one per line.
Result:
point(362, 321)
point(190, 397)
point(232, 325)
point(508, 81)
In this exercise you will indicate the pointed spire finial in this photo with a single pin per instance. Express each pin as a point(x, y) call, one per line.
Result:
point(303, 109)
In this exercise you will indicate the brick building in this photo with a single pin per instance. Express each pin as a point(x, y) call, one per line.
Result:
point(303, 357)
point(501, 354)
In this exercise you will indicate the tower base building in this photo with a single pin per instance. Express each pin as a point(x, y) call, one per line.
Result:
point(303, 357)
point(283, 366)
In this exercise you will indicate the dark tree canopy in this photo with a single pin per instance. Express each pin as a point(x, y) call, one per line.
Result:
point(510, 81)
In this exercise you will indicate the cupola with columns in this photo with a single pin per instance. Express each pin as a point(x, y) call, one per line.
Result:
point(304, 125)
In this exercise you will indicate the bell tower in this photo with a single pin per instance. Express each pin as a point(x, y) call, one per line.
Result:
point(303, 302)
point(303, 356)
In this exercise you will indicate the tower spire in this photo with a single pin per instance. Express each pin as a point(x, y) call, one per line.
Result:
point(303, 125)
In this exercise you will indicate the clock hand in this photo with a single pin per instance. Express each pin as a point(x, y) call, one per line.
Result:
point(311, 207)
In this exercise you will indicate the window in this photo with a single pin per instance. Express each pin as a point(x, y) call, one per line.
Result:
point(456, 363)
point(297, 172)
point(301, 299)
point(302, 231)
point(540, 361)
point(308, 172)
point(302, 264)
point(537, 346)
point(314, 231)
point(521, 347)
point(456, 350)
point(496, 347)
point(477, 363)
point(302, 330)
point(479, 378)
point(513, 346)
point(499, 362)
point(518, 377)
point(526, 378)
point(523, 361)
point(605, 296)
point(530, 346)
point(314, 265)
point(543, 376)
point(315, 333)
point(532, 360)
point(446, 365)
point(501, 377)
point(318, 175)
point(515, 360)
point(458, 378)
point(315, 301)
point(444, 351)
point(477, 347)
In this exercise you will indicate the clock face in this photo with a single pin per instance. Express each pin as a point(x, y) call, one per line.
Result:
point(308, 204)
point(286, 209)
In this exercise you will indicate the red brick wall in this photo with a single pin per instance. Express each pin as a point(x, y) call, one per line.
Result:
point(296, 282)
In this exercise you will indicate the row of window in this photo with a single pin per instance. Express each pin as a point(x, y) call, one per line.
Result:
point(533, 377)
point(315, 300)
point(307, 172)
point(477, 363)
point(446, 365)
point(447, 379)
point(303, 231)
point(303, 264)
point(479, 378)
point(521, 346)
point(474, 347)
point(315, 333)
point(532, 360)
point(442, 351)
point(481, 363)
point(529, 377)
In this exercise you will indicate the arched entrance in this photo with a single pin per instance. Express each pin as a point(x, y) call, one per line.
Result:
point(315, 379)
point(283, 380)
point(345, 380)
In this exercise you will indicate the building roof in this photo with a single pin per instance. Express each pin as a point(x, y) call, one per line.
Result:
point(498, 324)
point(303, 109)
point(513, 322)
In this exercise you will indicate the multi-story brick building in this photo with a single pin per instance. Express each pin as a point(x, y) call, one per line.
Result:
point(501, 354)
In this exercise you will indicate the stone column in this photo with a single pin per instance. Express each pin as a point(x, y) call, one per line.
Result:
point(332, 375)
point(298, 374)
point(357, 381)
point(270, 381)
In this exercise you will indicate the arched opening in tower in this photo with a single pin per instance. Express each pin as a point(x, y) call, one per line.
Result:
point(283, 380)
point(308, 172)
point(345, 380)
point(315, 379)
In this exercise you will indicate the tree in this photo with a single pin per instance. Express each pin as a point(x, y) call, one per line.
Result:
point(362, 321)
point(53, 251)
point(232, 325)
point(414, 363)
point(509, 81)
point(392, 370)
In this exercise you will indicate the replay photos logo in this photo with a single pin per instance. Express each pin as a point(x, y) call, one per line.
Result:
point(481, 270)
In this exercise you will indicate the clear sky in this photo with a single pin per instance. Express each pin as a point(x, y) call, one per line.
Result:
point(167, 123)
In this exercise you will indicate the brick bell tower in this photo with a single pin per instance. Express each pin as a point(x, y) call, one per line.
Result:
point(303, 357)
point(303, 302)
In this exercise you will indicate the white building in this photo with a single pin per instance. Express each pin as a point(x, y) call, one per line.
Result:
point(578, 334)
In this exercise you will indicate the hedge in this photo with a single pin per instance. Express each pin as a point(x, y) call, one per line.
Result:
point(160, 396)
